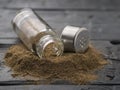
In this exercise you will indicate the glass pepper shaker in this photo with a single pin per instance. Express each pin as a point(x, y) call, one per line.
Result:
point(36, 34)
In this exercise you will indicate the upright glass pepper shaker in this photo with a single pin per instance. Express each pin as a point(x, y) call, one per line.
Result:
point(36, 34)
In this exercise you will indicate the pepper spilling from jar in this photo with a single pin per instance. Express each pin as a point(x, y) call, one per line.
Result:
point(41, 39)
point(36, 34)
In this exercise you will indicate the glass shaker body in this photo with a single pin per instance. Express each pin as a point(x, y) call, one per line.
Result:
point(36, 34)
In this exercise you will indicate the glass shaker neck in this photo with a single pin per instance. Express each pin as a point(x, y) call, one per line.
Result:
point(49, 46)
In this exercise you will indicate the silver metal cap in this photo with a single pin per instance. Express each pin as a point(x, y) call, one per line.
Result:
point(75, 39)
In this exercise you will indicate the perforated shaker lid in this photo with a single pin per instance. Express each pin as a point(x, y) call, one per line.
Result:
point(75, 39)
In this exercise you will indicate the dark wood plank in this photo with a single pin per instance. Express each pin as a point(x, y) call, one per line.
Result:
point(102, 25)
point(59, 87)
point(117, 87)
point(3, 3)
point(8, 41)
point(65, 4)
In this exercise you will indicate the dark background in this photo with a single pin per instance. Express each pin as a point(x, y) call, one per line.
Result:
point(101, 17)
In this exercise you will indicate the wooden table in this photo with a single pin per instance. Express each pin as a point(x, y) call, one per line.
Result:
point(101, 17)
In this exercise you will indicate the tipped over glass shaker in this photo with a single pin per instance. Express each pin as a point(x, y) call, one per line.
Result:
point(36, 34)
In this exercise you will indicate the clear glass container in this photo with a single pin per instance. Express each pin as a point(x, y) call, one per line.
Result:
point(36, 34)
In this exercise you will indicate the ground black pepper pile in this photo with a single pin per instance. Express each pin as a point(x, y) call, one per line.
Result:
point(74, 67)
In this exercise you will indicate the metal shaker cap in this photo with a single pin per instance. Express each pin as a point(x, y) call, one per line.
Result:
point(75, 39)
